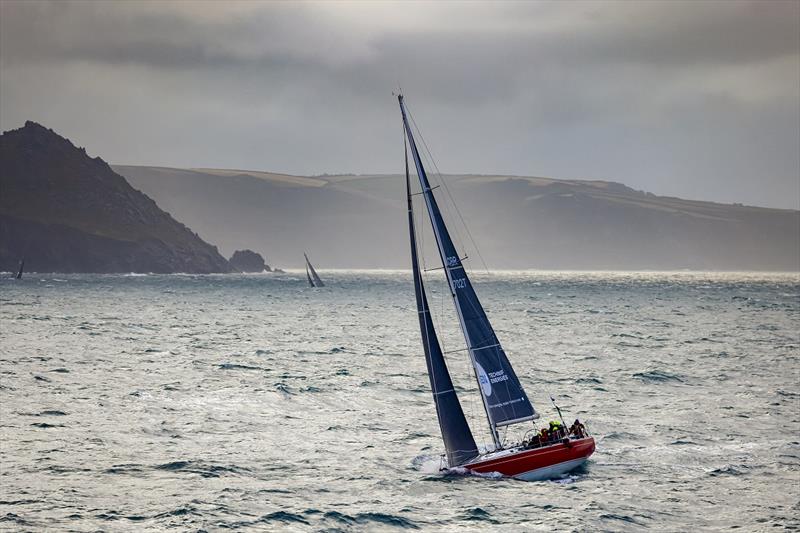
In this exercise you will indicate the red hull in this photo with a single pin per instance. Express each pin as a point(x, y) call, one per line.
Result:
point(538, 463)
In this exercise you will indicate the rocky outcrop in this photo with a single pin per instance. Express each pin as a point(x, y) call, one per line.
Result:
point(67, 212)
point(248, 261)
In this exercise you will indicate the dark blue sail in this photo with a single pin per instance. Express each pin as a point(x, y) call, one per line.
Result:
point(317, 281)
point(458, 440)
point(308, 276)
point(504, 399)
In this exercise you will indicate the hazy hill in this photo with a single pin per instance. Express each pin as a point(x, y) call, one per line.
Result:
point(517, 222)
point(67, 212)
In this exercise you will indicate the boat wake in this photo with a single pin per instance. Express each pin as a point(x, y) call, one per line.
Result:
point(436, 466)
point(428, 464)
point(461, 471)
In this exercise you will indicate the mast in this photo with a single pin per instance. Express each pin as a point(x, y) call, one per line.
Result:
point(458, 440)
point(504, 400)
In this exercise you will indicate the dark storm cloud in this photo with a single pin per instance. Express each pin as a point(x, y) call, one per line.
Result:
point(665, 96)
point(648, 33)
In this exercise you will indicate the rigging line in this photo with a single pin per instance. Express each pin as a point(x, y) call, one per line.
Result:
point(423, 192)
point(459, 350)
point(421, 288)
point(447, 208)
point(426, 336)
point(443, 267)
point(452, 201)
point(437, 176)
point(436, 318)
point(429, 200)
point(442, 292)
point(485, 320)
point(441, 305)
point(447, 189)
point(474, 304)
point(455, 206)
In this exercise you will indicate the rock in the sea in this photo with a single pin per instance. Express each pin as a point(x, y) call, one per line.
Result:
point(248, 261)
point(64, 211)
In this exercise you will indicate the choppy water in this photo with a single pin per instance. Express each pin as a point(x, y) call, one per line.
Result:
point(252, 401)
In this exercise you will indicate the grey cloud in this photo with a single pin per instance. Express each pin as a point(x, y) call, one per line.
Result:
point(652, 33)
point(664, 96)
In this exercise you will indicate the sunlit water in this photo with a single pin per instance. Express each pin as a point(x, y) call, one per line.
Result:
point(253, 401)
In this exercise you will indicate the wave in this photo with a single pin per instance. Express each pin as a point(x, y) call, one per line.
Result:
point(16, 519)
point(477, 514)
point(124, 469)
point(729, 470)
point(658, 376)
point(620, 517)
point(234, 366)
point(283, 517)
point(180, 511)
point(19, 502)
point(201, 468)
point(368, 518)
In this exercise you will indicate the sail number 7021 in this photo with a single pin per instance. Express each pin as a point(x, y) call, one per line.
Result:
point(460, 283)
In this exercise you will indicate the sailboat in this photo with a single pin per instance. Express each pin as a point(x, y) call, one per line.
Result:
point(313, 279)
point(21, 267)
point(543, 456)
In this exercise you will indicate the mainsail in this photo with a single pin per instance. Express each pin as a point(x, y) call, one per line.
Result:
point(458, 440)
point(503, 397)
point(317, 282)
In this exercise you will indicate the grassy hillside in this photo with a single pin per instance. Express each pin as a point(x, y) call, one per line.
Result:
point(516, 221)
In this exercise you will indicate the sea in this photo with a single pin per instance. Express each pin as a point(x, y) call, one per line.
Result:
point(254, 402)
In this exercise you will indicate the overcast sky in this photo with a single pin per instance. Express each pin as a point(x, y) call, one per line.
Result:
point(693, 99)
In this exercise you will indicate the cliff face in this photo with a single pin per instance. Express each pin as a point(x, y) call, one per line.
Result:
point(67, 212)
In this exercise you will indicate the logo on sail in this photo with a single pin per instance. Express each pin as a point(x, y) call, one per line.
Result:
point(483, 379)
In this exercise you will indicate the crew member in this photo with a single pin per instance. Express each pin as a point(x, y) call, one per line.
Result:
point(578, 429)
